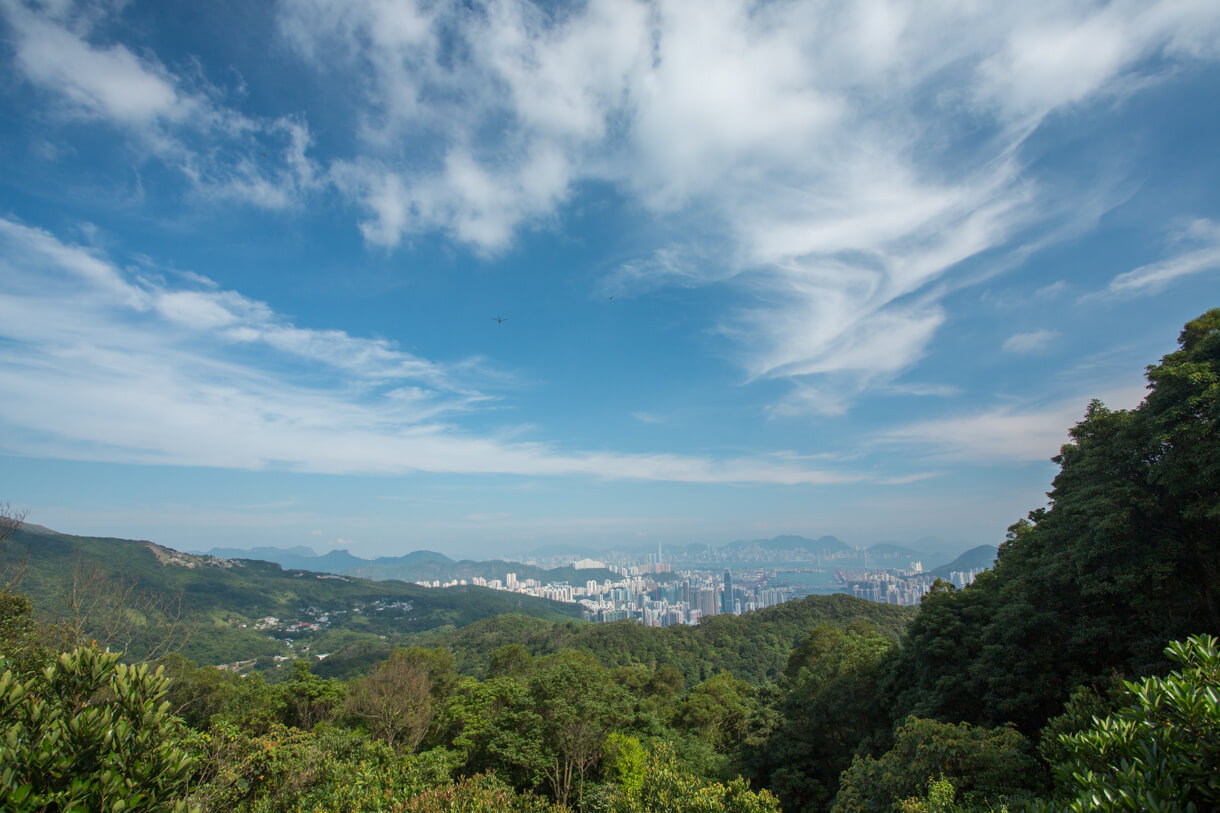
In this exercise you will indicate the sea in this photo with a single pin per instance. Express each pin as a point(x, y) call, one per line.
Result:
point(808, 582)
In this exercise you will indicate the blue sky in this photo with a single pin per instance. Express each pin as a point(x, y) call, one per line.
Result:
point(818, 268)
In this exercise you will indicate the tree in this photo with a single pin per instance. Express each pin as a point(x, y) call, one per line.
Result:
point(579, 705)
point(1182, 414)
point(940, 798)
point(511, 659)
point(197, 693)
point(657, 781)
point(26, 644)
point(494, 727)
point(475, 794)
point(828, 711)
point(396, 700)
point(1122, 561)
point(287, 770)
point(1161, 752)
point(11, 520)
point(309, 699)
point(716, 711)
point(986, 765)
point(89, 733)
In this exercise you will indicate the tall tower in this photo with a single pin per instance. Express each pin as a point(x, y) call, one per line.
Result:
point(726, 600)
point(659, 559)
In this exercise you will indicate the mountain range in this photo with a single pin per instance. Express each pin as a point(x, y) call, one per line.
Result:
point(931, 551)
point(429, 566)
point(417, 566)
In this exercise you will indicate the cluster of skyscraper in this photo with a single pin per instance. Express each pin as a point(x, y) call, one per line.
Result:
point(683, 600)
point(647, 593)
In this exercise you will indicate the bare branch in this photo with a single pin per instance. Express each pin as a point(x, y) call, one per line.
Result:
point(115, 614)
point(11, 520)
point(11, 572)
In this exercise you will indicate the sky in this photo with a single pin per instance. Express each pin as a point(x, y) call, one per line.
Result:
point(491, 277)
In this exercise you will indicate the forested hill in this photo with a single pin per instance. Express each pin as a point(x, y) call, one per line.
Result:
point(1123, 561)
point(151, 597)
point(979, 558)
point(753, 647)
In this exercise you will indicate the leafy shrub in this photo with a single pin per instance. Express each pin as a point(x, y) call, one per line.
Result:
point(89, 734)
point(659, 782)
point(286, 769)
point(476, 794)
point(1161, 752)
point(988, 765)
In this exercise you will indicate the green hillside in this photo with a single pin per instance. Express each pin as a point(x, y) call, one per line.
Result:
point(144, 598)
point(753, 647)
point(977, 558)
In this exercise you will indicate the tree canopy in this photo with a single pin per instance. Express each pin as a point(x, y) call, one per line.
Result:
point(1122, 560)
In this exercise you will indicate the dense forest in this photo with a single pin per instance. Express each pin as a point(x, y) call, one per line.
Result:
point(1080, 673)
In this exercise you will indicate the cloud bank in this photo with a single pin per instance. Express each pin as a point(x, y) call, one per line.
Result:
point(846, 157)
point(103, 363)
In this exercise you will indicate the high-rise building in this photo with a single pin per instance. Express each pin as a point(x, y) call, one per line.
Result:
point(726, 600)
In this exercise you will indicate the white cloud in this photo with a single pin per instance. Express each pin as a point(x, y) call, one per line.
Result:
point(910, 478)
point(808, 400)
point(103, 365)
point(685, 266)
point(842, 161)
point(1033, 342)
point(845, 157)
point(179, 122)
point(498, 515)
point(1057, 54)
point(1006, 434)
point(1206, 257)
point(1051, 291)
point(42, 275)
point(111, 83)
point(922, 390)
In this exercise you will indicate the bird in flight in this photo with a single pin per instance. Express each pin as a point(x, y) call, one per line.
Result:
point(500, 319)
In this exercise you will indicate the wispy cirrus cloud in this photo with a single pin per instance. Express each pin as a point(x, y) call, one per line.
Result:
point(844, 162)
point(182, 121)
point(1199, 252)
point(44, 274)
point(106, 364)
point(1010, 433)
point(1033, 342)
point(843, 159)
